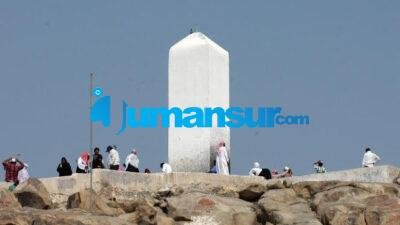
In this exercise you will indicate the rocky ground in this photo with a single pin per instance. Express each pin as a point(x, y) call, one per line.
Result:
point(279, 202)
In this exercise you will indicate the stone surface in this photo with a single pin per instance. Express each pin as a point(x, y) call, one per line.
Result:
point(222, 210)
point(198, 76)
point(8, 200)
point(34, 194)
point(100, 205)
point(194, 199)
point(283, 206)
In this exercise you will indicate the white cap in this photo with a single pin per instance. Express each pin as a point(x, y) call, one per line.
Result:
point(13, 159)
point(286, 168)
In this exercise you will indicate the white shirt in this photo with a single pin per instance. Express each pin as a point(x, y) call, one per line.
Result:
point(166, 168)
point(81, 164)
point(256, 170)
point(370, 159)
point(23, 175)
point(113, 157)
point(133, 160)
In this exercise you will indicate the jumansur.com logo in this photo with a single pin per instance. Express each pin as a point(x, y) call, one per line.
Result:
point(190, 117)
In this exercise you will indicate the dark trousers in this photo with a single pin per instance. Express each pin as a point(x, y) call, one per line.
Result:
point(78, 170)
point(114, 167)
point(131, 168)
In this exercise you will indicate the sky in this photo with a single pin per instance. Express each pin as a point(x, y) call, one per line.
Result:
point(336, 61)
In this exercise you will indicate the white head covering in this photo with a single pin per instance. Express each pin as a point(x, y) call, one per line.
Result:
point(286, 168)
point(13, 160)
point(256, 165)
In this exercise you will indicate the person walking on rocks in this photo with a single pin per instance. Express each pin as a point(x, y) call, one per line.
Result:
point(256, 170)
point(113, 158)
point(165, 167)
point(12, 166)
point(97, 159)
point(64, 168)
point(222, 159)
point(370, 158)
point(132, 162)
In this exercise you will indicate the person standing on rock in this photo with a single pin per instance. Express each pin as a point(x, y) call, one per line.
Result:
point(97, 159)
point(370, 158)
point(64, 168)
point(222, 160)
point(83, 163)
point(23, 175)
point(113, 158)
point(319, 167)
point(132, 162)
point(165, 167)
point(256, 170)
point(12, 166)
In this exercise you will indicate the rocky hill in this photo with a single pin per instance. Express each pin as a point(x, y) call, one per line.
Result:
point(359, 197)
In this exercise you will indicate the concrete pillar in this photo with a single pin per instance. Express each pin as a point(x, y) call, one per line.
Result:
point(198, 76)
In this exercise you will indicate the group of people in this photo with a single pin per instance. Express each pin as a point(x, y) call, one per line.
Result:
point(17, 171)
point(84, 162)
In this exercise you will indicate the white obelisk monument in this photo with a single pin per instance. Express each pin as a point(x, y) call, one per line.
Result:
point(198, 76)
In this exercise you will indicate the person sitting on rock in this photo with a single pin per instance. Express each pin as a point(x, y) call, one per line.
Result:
point(266, 173)
point(97, 159)
point(64, 168)
point(370, 158)
point(12, 166)
point(113, 157)
point(287, 172)
point(256, 170)
point(165, 167)
point(83, 163)
point(132, 162)
point(319, 167)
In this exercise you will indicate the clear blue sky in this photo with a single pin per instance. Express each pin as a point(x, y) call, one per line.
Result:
point(337, 61)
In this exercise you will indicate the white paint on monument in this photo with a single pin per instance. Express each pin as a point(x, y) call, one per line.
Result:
point(198, 76)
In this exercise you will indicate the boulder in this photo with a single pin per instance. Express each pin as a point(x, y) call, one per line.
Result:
point(252, 192)
point(33, 193)
point(222, 210)
point(100, 205)
point(283, 206)
point(382, 210)
point(8, 200)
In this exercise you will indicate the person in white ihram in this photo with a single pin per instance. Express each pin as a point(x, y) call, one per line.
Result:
point(165, 167)
point(370, 158)
point(222, 160)
point(113, 158)
point(23, 174)
point(256, 170)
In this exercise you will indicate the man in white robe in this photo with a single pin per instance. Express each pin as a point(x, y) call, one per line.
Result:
point(370, 158)
point(132, 162)
point(222, 160)
point(166, 168)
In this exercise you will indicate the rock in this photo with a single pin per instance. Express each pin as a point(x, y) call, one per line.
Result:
point(382, 210)
point(275, 184)
point(34, 194)
point(282, 206)
point(224, 210)
point(100, 205)
point(30, 216)
point(8, 200)
point(307, 189)
point(252, 192)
